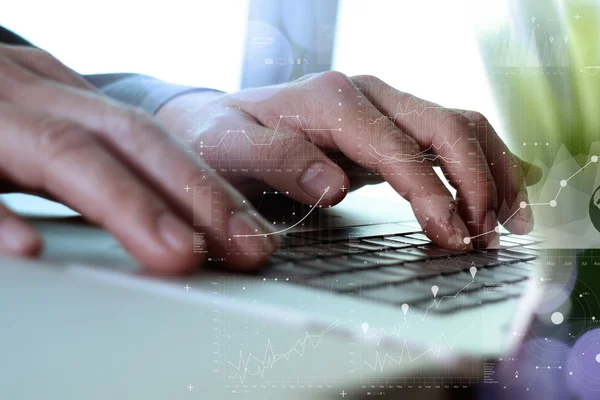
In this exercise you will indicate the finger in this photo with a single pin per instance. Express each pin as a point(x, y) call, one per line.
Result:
point(284, 161)
point(432, 203)
point(44, 64)
point(451, 138)
point(509, 175)
point(60, 157)
point(17, 237)
point(159, 159)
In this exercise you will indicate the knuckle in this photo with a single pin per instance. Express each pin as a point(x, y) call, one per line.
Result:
point(369, 80)
point(42, 57)
point(59, 138)
point(451, 117)
point(333, 79)
point(476, 117)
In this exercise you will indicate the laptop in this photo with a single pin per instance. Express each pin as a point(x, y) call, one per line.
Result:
point(362, 278)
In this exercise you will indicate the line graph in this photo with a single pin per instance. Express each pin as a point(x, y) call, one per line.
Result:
point(419, 157)
point(552, 203)
point(379, 363)
point(382, 333)
point(250, 134)
point(405, 110)
point(270, 358)
point(292, 226)
point(590, 70)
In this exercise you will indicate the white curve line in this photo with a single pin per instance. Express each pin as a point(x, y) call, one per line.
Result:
point(290, 227)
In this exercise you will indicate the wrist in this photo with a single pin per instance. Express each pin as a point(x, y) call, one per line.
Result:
point(175, 114)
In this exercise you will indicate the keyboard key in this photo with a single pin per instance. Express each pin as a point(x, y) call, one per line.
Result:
point(387, 243)
point(519, 239)
point(399, 256)
point(406, 240)
point(363, 231)
point(377, 259)
point(420, 236)
point(420, 271)
point(350, 262)
point(339, 248)
point(288, 269)
point(364, 246)
point(323, 265)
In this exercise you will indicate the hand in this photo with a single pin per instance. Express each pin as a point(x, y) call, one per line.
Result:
point(115, 165)
point(289, 137)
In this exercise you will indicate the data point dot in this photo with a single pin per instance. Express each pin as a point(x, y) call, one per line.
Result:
point(563, 183)
point(552, 203)
point(467, 240)
point(594, 158)
point(523, 204)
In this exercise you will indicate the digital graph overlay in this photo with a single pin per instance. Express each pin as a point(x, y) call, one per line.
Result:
point(250, 364)
point(312, 208)
point(380, 360)
point(420, 157)
point(552, 203)
point(267, 347)
point(249, 133)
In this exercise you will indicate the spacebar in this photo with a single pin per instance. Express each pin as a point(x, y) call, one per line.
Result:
point(336, 234)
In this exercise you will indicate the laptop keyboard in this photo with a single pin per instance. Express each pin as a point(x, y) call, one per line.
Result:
point(397, 264)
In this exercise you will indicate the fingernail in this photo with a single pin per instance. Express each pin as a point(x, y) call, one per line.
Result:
point(18, 238)
point(461, 239)
point(174, 232)
point(248, 233)
point(318, 177)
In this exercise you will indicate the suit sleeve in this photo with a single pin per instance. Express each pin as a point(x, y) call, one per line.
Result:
point(137, 90)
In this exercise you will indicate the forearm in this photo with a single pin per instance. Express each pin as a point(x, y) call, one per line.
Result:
point(142, 91)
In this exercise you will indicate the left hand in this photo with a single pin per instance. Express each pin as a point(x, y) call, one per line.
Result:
point(290, 136)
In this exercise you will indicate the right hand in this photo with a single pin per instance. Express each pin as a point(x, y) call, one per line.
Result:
point(117, 166)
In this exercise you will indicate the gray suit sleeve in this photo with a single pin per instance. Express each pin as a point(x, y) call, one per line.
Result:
point(141, 91)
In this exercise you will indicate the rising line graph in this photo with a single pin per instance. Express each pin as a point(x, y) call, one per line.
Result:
point(289, 227)
point(270, 358)
point(552, 203)
point(380, 361)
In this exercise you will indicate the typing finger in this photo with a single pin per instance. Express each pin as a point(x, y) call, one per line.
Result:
point(451, 138)
point(157, 159)
point(63, 158)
